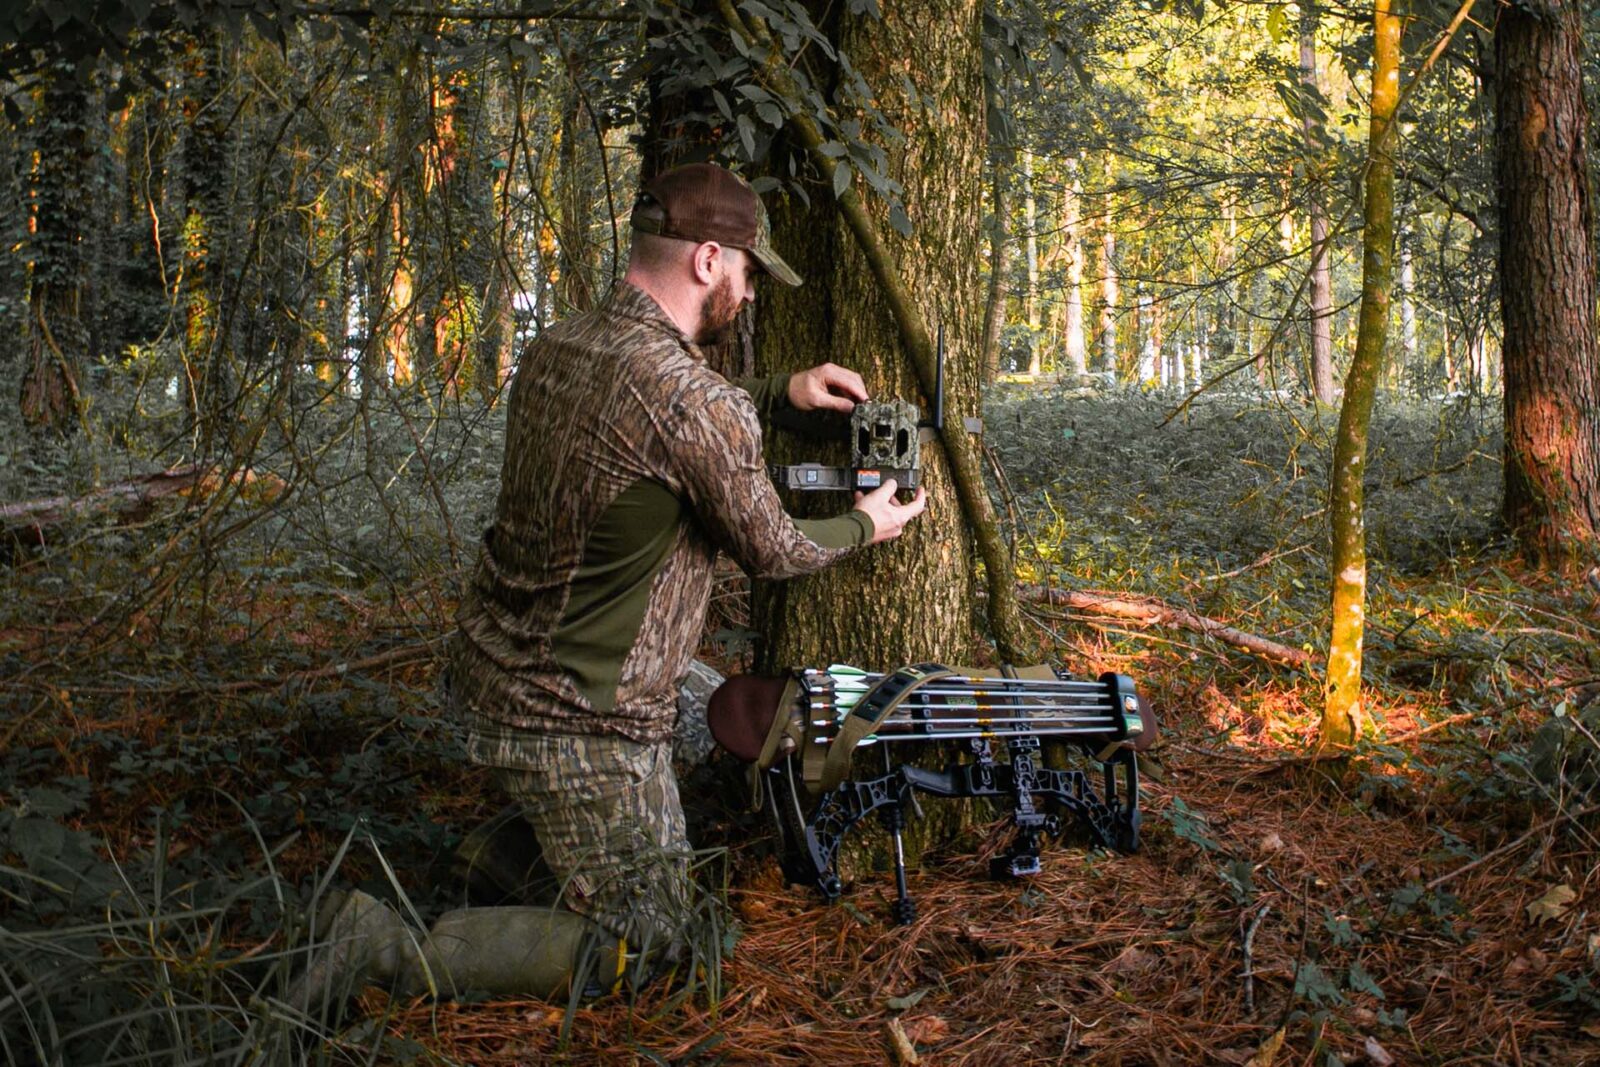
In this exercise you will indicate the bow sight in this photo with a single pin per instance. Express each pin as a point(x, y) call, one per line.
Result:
point(886, 440)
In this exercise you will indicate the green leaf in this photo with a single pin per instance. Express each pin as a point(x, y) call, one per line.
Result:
point(37, 839)
point(1310, 982)
point(747, 134)
point(1362, 982)
point(50, 802)
point(900, 220)
point(1277, 24)
point(841, 178)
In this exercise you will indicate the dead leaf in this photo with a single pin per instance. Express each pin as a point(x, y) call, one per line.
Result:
point(907, 1001)
point(1553, 905)
point(1376, 1053)
point(1268, 1050)
point(926, 1030)
point(904, 1051)
point(1132, 960)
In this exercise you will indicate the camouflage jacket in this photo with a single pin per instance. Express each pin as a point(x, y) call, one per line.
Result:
point(629, 463)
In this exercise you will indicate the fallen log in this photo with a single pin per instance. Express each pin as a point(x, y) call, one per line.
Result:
point(30, 522)
point(1151, 612)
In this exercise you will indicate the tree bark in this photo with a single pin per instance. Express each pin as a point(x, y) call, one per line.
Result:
point(57, 342)
point(1547, 284)
point(207, 232)
point(1343, 717)
point(1408, 311)
point(994, 303)
point(1030, 295)
point(912, 599)
point(1321, 288)
point(1072, 239)
point(1109, 290)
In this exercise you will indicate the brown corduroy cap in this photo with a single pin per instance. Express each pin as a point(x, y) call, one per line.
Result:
point(704, 202)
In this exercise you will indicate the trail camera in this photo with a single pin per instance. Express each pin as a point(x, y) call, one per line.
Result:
point(885, 442)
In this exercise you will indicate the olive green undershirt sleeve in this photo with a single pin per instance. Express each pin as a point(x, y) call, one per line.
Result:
point(769, 393)
point(850, 530)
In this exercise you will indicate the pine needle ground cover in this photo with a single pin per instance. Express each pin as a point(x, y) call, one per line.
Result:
point(179, 786)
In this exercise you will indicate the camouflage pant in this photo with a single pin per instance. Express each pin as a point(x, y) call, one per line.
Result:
point(610, 824)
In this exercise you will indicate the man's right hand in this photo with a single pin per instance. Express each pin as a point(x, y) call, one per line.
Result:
point(888, 515)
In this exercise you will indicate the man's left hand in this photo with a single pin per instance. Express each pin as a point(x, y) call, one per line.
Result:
point(828, 387)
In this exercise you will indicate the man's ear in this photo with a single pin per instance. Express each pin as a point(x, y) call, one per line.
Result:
point(706, 262)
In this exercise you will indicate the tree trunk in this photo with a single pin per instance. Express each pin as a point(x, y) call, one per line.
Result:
point(207, 232)
point(1109, 294)
point(1030, 296)
point(912, 599)
point(392, 285)
point(1072, 241)
point(1321, 289)
point(1547, 284)
point(578, 178)
point(1408, 313)
point(994, 303)
point(1150, 368)
point(1343, 717)
point(1226, 314)
point(57, 342)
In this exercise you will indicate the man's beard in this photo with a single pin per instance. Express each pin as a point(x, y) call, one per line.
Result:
point(718, 313)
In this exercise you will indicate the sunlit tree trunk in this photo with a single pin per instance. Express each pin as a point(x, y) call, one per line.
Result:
point(1343, 717)
point(1321, 287)
point(1072, 241)
point(393, 284)
point(1547, 284)
point(57, 341)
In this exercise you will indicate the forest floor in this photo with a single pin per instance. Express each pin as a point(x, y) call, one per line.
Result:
point(174, 786)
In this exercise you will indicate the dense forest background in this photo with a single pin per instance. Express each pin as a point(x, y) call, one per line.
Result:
point(1281, 321)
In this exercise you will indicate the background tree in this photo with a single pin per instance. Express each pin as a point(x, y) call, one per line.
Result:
point(1342, 715)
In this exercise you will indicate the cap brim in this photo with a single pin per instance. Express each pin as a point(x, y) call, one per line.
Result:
point(775, 266)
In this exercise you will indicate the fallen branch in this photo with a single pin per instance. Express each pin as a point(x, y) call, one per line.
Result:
point(31, 521)
point(1512, 846)
point(1159, 613)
